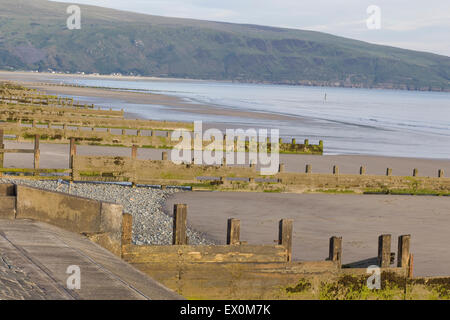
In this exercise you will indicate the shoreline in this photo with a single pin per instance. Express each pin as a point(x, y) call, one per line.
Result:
point(172, 103)
point(178, 105)
point(305, 83)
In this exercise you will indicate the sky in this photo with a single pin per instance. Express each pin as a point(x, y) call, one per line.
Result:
point(410, 24)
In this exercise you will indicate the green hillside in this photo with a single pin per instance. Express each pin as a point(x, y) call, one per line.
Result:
point(34, 36)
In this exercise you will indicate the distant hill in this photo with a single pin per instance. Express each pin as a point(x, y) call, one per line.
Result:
point(34, 36)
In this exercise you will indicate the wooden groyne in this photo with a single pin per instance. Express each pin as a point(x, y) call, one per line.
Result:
point(221, 177)
point(236, 270)
point(27, 113)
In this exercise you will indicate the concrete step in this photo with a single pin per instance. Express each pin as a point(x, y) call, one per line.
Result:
point(7, 207)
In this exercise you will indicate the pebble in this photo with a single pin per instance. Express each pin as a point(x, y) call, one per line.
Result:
point(151, 225)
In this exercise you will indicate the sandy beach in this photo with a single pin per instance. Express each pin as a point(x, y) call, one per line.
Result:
point(359, 219)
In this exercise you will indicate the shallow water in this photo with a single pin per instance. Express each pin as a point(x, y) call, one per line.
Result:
point(350, 121)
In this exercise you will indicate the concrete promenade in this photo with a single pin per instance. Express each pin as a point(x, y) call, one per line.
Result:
point(35, 257)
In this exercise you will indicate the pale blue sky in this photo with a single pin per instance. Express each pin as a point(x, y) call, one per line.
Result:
point(414, 24)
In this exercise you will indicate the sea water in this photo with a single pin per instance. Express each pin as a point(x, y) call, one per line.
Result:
point(350, 121)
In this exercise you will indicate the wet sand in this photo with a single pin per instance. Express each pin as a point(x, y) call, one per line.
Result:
point(359, 219)
point(33, 80)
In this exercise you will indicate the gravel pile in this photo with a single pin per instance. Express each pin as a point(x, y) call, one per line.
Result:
point(151, 225)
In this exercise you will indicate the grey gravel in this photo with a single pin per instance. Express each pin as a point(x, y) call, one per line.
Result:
point(151, 225)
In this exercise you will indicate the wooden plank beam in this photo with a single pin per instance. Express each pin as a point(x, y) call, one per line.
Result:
point(384, 251)
point(16, 150)
point(233, 232)
point(179, 224)
point(37, 152)
point(285, 236)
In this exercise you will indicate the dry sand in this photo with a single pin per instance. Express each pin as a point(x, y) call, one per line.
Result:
point(359, 219)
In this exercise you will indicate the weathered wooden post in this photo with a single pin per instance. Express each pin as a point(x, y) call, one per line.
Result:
point(73, 152)
point(415, 172)
point(384, 251)
point(134, 150)
point(336, 250)
point(308, 168)
point(165, 156)
point(2, 146)
point(138, 133)
point(411, 266)
point(127, 229)
point(281, 168)
point(336, 170)
point(233, 232)
point(440, 173)
point(37, 152)
point(362, 170)
point(151, 133)
point(124, 132)
point(403, 251)
point(179, 224)
point(285, 236)
point(389, 172)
